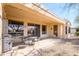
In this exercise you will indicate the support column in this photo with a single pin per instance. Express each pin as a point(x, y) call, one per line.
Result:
point(25, 29)
point(0, 29)
point(5, 27)
point(60, 31)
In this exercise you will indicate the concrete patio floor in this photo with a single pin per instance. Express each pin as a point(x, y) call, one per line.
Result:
point(22, 50)
point(47, 47)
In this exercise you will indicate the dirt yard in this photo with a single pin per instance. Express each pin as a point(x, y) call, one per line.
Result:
point(47, 47)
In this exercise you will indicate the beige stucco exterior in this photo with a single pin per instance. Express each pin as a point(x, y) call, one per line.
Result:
point(0, 28)
point(68, 24)
point(29, 13)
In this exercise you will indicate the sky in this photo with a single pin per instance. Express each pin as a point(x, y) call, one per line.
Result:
point(61, 12)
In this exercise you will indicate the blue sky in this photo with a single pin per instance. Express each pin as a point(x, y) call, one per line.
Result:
point(58, 10)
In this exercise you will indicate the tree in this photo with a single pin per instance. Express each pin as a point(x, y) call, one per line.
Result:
point(77, 21)
point(69, 6)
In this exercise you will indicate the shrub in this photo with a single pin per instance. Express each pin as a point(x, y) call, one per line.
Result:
point(77, 33)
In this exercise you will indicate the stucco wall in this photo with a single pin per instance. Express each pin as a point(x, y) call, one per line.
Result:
point(0, 28)
point(50, 30)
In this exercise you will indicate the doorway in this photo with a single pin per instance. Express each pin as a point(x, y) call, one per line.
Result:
point(55, 31)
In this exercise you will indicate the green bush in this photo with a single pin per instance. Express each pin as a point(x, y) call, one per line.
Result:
point(77, 33)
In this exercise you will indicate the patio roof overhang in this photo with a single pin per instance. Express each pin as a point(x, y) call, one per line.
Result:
point(21, 12)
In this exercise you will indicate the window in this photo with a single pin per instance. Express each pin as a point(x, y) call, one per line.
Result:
point(44, 30)
point(55, 30)
point(33, 30)
point(15, 28)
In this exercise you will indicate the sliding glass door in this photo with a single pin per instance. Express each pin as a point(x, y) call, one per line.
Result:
point(33, 30)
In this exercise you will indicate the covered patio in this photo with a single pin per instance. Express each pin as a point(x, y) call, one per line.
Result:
point(32, 18)
point(30, 21)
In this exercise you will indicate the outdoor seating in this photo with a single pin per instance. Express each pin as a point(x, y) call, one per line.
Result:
point(29, 40)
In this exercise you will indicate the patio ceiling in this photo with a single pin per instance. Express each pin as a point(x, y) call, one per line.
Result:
point(20, 12)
